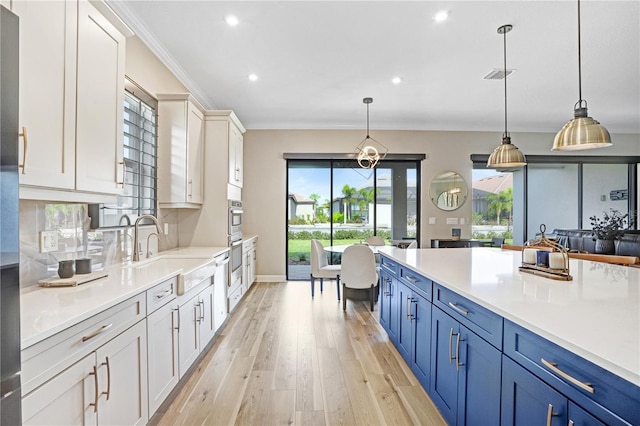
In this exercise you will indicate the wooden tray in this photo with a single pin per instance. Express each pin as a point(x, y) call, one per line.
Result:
point(554, 274)
point(75, 280)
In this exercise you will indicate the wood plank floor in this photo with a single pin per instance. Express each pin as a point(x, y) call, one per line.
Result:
point(284, 358)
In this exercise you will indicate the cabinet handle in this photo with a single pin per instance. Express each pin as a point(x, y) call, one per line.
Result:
point(570, 423)
point(94, 373)
point(190, 191)
point(386, 291)
point(108, 392)
point(451, 334)
point(237, 174)
point(164, 294)
point(585, 386)
point(411, 279)
point(24, 152)
point(458, 363)
point(201, 303)
point(459, 309)
point(177, 311)
point(124, 172)
point(95, 333)
point(409, 301)
point(550, 414)
point(195, 312)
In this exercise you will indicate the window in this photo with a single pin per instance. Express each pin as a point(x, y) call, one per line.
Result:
point(339, 203)
point(140, 161)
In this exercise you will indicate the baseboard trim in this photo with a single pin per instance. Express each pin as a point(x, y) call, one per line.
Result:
point(271, 278)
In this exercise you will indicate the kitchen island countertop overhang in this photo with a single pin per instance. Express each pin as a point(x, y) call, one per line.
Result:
point(596, 315)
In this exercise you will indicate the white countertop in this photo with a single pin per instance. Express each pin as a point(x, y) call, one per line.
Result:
point(597, 315)
point(45, 311)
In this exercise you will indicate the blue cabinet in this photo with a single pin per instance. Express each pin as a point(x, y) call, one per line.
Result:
point(592, 395)
point(414, 334)
point(527, 400)
point(465, 373)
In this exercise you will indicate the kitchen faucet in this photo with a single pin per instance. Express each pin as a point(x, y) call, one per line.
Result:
point(136, 241)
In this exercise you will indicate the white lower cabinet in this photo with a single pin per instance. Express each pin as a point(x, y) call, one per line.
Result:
point(195, 325)
point(108, 386)
point(162, 341)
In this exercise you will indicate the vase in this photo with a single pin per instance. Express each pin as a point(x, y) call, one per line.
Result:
point(605, 246)
point(66, 268)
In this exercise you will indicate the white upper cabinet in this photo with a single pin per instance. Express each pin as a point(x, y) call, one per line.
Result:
point(48, 32)
point(180, 151)
point(235, 155)
point(225, 135)
point(71, 101)
point(100, 103)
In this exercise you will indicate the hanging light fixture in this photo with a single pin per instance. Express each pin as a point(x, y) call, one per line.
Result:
point(369, 152)
point(582, 132)
point(507, 155)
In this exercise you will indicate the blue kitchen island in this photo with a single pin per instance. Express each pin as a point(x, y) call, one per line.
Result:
point(492, 345)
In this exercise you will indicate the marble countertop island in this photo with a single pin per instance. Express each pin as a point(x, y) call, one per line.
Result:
point(45, 311)
point(596, 315)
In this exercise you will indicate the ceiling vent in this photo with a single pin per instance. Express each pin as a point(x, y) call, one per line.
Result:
point(497, 74)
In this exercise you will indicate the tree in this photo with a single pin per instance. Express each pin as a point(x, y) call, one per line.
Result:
point(315, 198)
point(365, 197)
point(502, 201)
point(349, 193)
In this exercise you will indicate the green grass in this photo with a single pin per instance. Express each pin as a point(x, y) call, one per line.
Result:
point(303, 247)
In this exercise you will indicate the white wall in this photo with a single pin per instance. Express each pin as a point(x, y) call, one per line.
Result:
point(264, 192)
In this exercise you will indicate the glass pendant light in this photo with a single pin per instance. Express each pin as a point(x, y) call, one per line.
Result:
point(369, 152)
point(582, 132)
point(507, 155)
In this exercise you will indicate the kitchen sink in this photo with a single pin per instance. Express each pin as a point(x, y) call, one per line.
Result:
point(193, 270)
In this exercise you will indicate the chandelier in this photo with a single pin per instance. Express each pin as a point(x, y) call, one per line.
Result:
point(369, 152)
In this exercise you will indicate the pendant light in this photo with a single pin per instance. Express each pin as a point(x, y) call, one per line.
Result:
point(369, 152)
point(582, 132)
point(507, 155)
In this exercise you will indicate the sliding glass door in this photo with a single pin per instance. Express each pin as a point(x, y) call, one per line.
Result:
point(338, 203)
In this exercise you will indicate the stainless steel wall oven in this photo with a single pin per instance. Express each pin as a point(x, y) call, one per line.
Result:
point(235, 244)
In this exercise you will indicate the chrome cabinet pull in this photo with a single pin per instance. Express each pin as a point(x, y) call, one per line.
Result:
point(164, 294)
point(94, 373)
point(95, 333)
point(195, 312)
point(411, 279)
point(410, 300)
point(124, 173)
point(177, 311)
point(108, 392)
point(550, 414)
point(201, 303)
point(458, 363)
point(570, 423)
point(24, 151)
point(585, 386)
point(451, 358)
point(459, 309)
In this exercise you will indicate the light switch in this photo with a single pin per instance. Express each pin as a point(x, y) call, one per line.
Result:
point(462, 221)
point(432, 221)
point(48, 241)
point(452, 221)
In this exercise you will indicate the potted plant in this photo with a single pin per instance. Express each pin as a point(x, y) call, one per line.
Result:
point(607, 229)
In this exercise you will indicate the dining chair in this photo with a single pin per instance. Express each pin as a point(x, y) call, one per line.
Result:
point(321, 269)
point(358, 272)
point(414, 244)
point(497, 242)
point(376, 241)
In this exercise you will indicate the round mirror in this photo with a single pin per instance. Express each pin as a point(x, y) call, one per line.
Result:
point(448, 191)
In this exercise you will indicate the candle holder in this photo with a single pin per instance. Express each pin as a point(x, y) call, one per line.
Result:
point(551, 258)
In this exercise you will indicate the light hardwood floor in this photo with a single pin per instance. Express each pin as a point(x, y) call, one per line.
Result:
point(283, 358)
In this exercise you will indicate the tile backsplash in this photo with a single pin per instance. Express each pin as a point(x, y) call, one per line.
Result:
point(70, 223)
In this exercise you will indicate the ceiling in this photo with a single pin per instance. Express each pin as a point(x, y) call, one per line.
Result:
point(317, 60)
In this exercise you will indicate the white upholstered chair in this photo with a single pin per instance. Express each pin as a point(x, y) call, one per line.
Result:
point(414, 244)
point(375, 241)
point(321, 269)
point(358, 271)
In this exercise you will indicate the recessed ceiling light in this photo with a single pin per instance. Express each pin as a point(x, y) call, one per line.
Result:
point(231, 20)
point(253, 77)
point(441, 16)
point(396, 80)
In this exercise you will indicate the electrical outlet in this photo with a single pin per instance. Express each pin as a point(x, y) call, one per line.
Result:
point(48, 241)
point(166, 228)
